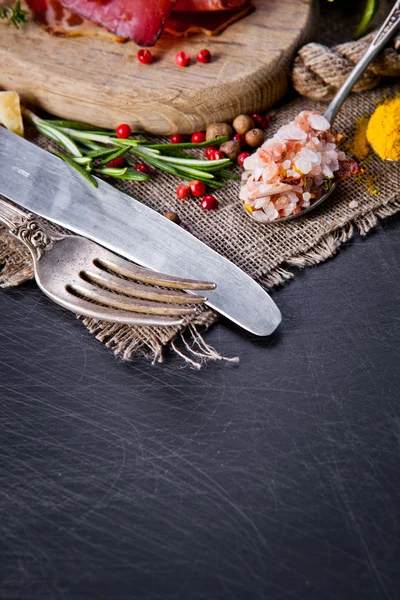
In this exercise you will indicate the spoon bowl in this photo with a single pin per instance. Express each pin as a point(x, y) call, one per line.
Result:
point(300, 214)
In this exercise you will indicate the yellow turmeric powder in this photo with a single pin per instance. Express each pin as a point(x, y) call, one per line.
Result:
point(358, 145)
point(383, 131)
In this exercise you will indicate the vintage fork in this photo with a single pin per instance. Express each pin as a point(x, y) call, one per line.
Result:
point(93, 282)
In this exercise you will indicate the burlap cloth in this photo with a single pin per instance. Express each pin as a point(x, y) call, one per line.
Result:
point(265, 252)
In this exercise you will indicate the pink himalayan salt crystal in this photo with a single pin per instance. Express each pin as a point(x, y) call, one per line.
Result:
point(284, 175)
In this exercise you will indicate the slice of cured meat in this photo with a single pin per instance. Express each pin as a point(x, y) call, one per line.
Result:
point(184, 24)
point(61, 21)
point(139, 20)
point(206, 5)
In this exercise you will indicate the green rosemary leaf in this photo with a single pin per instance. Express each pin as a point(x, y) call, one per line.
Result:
point(186, 145)
point(133, 143)
point(162, 166)
point(100, 152)
point(228, 175)
point(189, 162)
point(88, 135)
point(202, 175)
point(134, 176)
point(14, 14)
point(82, 160)
point(111, 172)
point(79, 126)
point(60, 138)
point(78, 168)
point(176, 152)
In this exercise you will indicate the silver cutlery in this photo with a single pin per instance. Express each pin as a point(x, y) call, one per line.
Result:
point(45, 185)
point(85, 278)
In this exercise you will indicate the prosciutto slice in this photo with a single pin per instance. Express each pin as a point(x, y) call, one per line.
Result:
point(207, 5)
point(60, 20)
point(139, 20)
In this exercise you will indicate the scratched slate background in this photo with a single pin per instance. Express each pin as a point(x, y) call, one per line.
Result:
point(277, 479)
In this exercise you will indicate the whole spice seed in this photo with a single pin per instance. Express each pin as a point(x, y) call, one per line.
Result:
point(260, 120)
point(182, 191)
point(210, 151)
point(142, 168)
point(172, 216)
point(231, 149)
point(182, 59)
point(242, 157)
point(219, 130)
point(217, 155)
point(123, 131)
point(209, 203)
point(254, 138)
point(243, 123)
point(145, 57)
point(117, 163)
point(239, 137)
point(198, 137)
point(177, 138)
point(204, 56)
point(197, 188)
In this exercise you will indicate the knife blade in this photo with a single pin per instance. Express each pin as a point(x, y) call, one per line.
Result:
point(44, 184)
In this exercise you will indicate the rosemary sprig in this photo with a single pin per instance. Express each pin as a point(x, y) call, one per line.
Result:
point(81, 170)
point(14, 15)
point(90, 149)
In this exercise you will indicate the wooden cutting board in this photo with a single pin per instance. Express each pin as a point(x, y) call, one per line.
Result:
point(99, 81)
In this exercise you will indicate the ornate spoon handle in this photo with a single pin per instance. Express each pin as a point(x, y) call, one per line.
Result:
point(387, 30)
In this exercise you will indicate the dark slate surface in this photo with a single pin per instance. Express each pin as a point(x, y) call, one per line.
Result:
point(277, 479)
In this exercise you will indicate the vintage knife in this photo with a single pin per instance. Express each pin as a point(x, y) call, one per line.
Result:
point(44, 184)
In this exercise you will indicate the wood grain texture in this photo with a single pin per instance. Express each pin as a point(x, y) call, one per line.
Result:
point(101, 82)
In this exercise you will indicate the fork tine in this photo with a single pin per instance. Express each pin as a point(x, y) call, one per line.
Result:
point(129, 288)
point(112, 315)
point(98, 295)
point(128, 269)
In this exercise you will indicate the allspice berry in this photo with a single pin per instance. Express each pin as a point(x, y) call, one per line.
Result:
point(219, 130)
point(254, 138)
point(231, 149)
point(243, 123)
point(172, 216)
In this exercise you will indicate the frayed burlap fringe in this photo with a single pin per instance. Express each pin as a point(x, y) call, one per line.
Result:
point(319, 71)
point(127, 341)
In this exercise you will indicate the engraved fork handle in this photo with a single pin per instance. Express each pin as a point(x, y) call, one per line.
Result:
point(26, 227)
point(384, 34)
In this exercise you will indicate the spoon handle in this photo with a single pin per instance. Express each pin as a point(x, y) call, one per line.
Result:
point(387, 30)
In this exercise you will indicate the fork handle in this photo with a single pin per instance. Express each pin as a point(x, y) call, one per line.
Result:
point(10, 215)
point(25, 227)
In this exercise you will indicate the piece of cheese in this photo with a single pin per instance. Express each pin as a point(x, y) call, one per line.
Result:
point(10, 112)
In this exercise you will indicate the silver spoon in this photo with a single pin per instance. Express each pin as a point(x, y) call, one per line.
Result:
point(387, 30)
